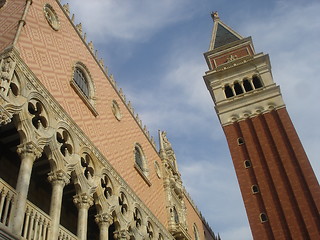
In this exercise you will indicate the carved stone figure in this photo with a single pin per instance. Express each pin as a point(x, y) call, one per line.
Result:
point(5, 74)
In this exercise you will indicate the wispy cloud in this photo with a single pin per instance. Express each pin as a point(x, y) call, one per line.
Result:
point(129, 20)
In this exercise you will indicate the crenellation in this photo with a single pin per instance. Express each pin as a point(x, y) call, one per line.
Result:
point(66, 8)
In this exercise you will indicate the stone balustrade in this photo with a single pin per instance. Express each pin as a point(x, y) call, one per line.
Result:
point(36, 225)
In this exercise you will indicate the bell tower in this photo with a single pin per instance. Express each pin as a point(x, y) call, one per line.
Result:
point(278, 186)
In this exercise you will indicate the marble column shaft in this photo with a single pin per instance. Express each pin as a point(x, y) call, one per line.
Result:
point(58, 180)
point(28, 152)
point(83, 203)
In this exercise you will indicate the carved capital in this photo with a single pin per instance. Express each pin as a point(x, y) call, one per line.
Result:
point(29, 149)
point(83, 200)
point(59, 177)
point(5, 116)
point(122, 235)
point(104, 219)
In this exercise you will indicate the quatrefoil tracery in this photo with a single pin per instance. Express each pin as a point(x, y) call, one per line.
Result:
point(123, 202)
point(39, 118)
point(137, 218)
point(106, 186)
point(86, 163)
point(65, 143)
point(150, 230)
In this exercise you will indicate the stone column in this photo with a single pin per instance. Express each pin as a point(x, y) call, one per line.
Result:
point(83, 202)
point(104, 221)
point(58, 180)
point(28, 152)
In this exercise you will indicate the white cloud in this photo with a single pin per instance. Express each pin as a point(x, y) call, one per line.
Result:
point(128, 20)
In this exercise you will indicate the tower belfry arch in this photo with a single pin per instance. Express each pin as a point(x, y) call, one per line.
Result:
point(279, 188)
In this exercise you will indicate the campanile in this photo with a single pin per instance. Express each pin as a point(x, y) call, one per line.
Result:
point(278, 186)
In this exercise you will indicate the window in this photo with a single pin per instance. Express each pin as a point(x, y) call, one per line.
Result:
point(81, 80)
point(228, 91)
point(256, 82)
point(116, 110)
point(247, 85)
point(263, 217)
point(138, 157)
point(83, 85)
point(254, 189)
point(247, 163)
point(240, 141)
point(237, 88)
point(196, 233)
point(141, 162)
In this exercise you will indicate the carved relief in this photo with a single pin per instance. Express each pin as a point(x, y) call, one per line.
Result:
point(7, 66)
point(51, 16)
point(39, 116)
point(5, 116)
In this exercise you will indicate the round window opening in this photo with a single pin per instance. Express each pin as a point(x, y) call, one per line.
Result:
point(51, 17)
point(116, 110)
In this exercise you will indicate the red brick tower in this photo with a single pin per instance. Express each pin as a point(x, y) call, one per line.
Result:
point(279, 189)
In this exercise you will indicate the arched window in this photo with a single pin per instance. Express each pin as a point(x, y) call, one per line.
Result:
point(80, 79)
point(140, 159)
point(247, 85)
point(196, 233)
point(83, 85)
point(138, 156)
point(247, 163)
point(254, 189)
point(228, 91)
point(263, 217)
point(256, 82)
point(237, 88)
point(240, 141)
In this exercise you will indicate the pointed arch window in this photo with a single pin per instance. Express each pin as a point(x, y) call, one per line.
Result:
point(196, 232)
point(81, 80)
point(140, 163)
point(83, 85)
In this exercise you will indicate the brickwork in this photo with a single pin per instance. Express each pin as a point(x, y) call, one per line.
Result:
point(285, 194)
point(10, 14)
point(51, 56)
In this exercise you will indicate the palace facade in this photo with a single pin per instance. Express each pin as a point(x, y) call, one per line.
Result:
point(76, 161)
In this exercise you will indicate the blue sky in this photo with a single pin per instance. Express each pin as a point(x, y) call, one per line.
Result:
point(155, 50)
